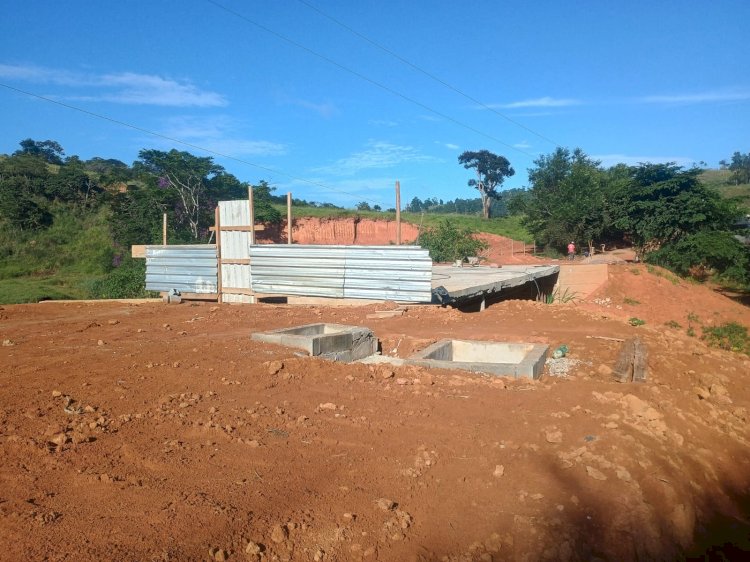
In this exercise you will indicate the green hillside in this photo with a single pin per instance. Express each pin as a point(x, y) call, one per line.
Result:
point(721, 181)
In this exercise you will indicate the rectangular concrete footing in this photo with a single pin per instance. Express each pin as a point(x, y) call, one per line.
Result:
point(336, 342)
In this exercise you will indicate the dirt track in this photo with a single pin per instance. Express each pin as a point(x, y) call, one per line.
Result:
point(182, 436)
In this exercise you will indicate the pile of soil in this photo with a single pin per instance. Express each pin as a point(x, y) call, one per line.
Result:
point(163, 432)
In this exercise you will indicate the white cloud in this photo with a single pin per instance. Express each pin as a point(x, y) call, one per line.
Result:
point(545, 101)
point(700, 97)
point(522, 145)
point(378, 154)
point(608, 160)
point(122, 87)
point(448, 145)
point(219, 134)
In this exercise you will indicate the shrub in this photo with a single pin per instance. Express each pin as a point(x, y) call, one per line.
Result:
point(730, 336)
point(448, 242)
point(125, 282)
point(703, 253)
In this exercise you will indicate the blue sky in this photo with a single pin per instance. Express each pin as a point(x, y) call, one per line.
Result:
point(304, 93)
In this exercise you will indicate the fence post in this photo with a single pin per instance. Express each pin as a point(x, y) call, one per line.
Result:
point(398, 213)
point(164, 230)
point(289, 217)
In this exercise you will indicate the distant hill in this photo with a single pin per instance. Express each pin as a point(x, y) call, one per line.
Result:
point(721, 181)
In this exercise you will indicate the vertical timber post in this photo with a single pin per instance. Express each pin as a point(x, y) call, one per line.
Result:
point(289, 217)
point(251, 206)
point(164, 230)
point(398, 213)
point(217, 221)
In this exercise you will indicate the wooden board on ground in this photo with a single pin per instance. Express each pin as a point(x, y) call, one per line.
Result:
point(631, 364)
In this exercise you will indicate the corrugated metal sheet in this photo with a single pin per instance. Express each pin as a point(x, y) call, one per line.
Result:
point(189, 269)
point(234, 246)
point(401, 273)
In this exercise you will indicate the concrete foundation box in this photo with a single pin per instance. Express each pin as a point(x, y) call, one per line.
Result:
point(337, 342)
point(496, 358)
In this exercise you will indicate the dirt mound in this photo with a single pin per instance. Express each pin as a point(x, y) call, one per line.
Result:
point(163, 432)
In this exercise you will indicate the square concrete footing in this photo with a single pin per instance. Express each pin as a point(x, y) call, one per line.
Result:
point(336, 342)
point(494, 358)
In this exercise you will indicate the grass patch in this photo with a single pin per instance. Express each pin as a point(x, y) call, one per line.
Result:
point(673, 324)
point(663, 273)
point(632, 302)
point(636, 321)
point(730, 336)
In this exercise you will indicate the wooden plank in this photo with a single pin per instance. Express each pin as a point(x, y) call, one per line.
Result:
point(640, 362)
point(623, 371)
point(251, 208)
point(237, 291)
point(217, 222)
point(138, 251)
point(196, 296)
point(237, 261)
point(238, 228)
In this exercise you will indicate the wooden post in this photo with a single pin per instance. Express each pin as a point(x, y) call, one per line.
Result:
point(398, 213)
point(251, 205)
point(217, 221)
point(164, 230)
point(289, 217)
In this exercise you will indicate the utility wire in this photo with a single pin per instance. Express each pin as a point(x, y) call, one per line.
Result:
point(184, 143)
point(425, 72)
point(366, 78)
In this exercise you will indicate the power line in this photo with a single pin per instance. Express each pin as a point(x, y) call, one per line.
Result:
point(184, 143)
point(425, 72)
point(367, 79)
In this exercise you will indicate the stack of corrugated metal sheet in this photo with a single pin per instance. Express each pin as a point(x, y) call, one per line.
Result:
point(188, 269)
point(400, 273)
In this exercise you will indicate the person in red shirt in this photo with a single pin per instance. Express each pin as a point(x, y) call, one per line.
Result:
point(571, 251)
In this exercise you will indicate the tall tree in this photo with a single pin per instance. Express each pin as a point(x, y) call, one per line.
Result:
point(740, 168)
point(657, 204)
point(188, 176)
point(49, 150)
point(491, 170)
point(566, 200)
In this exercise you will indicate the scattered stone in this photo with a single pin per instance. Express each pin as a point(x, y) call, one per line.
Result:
point(274, 367)
point(554, 436)
point(254, 443)
point(385, 504)
point(113, 322)
point(595, 474)
point(349, 516)
point(8, 343)
point(221, 555)
point(279, 533)
point(327, 406)
point(604, 370)
point(499, 471)
point(56, 394)
point(100, 342)
point(402, 381)
point(387, 374)
point(319, 555)
point(253, 549)
point(702, 392)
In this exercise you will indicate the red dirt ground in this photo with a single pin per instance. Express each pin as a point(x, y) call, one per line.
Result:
point(183, 439)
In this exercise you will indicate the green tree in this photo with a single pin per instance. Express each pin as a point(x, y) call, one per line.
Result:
point(189, 177)
point(363, 206)
point(740, 168)
point(262, 202)
point(491, 170)
point(656, 204)
point(566, 200)
point(50, 151)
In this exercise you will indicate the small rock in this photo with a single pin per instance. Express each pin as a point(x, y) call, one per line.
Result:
point(702, 393)
point(349, 516)
point(113, 322)
point(100, 342)
point(254, 443)
point(605, 370)
point(8, 343)
point(553, 436)
point(387, 374)
point(56, 394)
point(595, 474)
point(403, 381)
point(253, 549)
point(274, 367)
point(221, 555)
point(327, 406)
point(385, 504)
point(319, 555)
point(279, 533)
point(499, 471)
